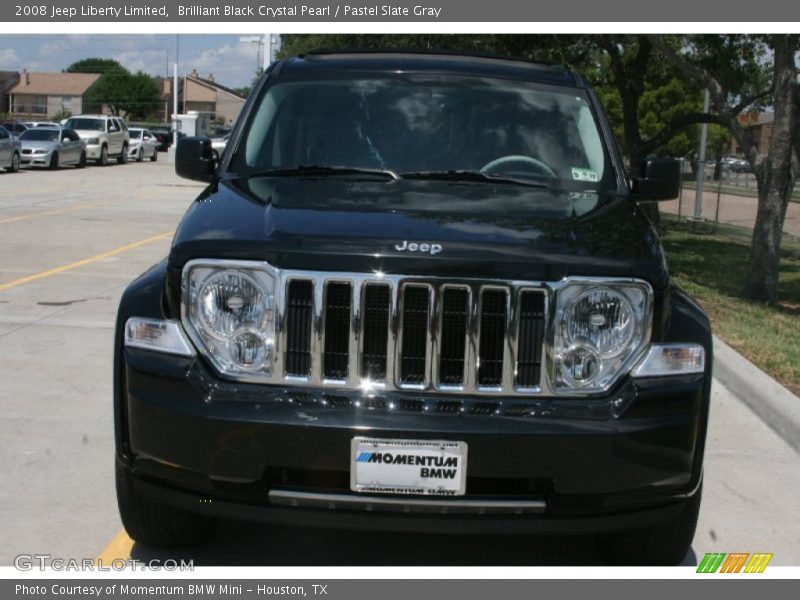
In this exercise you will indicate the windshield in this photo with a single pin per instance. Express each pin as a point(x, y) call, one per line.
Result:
point(40, 135)
point(418, 125)
point(135, 133)
point(86, 124)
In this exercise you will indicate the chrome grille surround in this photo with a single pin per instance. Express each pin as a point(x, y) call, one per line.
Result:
point(397, 285)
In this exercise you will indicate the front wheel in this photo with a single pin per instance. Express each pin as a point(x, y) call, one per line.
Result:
point(154, 158)
point(82, 162)
point(123, 158)
point(54, 161)
point(103, 160)
point(155, 524)
point(140, 155)
point(14, 166)
point(665, 544)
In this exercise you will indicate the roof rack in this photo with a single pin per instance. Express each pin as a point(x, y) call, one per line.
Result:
point(428, 52)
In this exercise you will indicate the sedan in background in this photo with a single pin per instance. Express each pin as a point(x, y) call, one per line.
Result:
point(15, 128)
point(52, 148)
point(9, 151)
point(143, 145)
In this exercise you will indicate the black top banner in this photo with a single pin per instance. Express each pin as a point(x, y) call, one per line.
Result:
point(400, 11)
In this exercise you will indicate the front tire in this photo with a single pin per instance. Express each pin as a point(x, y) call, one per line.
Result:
point(123, 158)
point(82, 162)
point(53, 161)
point(155, 524)
point(663, 544)
point(154, 158)
point(140, 155)
point(103, 160)
point(14, 166)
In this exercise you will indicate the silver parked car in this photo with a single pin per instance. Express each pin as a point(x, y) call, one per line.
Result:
point(9, 151)
point(52, 148)
point(143, 145)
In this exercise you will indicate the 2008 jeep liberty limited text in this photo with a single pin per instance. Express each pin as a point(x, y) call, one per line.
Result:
point(418, 294)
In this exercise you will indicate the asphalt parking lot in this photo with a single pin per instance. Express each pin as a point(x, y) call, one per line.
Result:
point(71, 240)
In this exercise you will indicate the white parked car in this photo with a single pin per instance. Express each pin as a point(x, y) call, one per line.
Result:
point(105, 137)
point(143, 145)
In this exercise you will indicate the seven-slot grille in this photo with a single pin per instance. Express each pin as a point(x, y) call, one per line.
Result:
point(397, 332)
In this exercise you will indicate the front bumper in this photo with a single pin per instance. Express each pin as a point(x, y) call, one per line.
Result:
point(93, 151)
point(193, 440)
point(32, 160)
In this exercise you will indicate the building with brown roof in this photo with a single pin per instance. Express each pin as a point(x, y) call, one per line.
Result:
point(45, 95)
point(202, 94)
point(206, 96)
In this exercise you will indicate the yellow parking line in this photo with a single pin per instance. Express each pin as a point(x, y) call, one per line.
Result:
point(119, 547)
point(47, 213)
point(85, 261)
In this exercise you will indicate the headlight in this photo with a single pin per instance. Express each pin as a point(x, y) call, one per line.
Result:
point(92, 141)
point(229, 312)
point(600, 330)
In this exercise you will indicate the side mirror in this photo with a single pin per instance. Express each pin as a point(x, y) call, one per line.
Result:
point(194, 159)
point(660, 180)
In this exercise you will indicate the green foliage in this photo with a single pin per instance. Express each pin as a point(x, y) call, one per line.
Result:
point(130, 95)
point(93, 65)
point(61, 115)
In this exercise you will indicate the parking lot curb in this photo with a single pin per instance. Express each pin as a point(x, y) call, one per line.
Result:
point(774, 404)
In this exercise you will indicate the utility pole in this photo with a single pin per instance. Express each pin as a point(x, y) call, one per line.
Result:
point(701, 164)
point(175, 95)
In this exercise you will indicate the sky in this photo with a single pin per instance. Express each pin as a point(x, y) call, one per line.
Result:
point(231, 61)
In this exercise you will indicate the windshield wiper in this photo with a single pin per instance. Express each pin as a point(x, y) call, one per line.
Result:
point(306, 170)
point(472, 176)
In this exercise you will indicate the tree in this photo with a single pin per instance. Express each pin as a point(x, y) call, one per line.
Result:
point(128, 95)
point(714, 63)
point(93, 65)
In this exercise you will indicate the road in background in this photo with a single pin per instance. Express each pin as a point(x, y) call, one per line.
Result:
point(71, 241)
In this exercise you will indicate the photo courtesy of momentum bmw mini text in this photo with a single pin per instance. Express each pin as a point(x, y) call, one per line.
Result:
point(302, 300)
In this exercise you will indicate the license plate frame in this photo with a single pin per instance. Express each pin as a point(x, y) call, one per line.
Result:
point(369, 475)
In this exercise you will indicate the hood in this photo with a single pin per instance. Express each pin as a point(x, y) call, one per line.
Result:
point(88, 133)
point(460, 230)
point(38, 145)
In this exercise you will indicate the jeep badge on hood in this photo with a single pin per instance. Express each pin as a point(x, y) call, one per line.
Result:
point(425, 247)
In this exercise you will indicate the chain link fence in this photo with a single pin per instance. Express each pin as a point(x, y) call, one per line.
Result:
point(728, 204)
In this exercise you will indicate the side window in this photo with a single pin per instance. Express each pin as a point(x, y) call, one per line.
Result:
point(73, 137)
point(3, 134)
point(112, 126)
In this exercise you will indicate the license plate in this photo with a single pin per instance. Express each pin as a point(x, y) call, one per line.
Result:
point(415, 467)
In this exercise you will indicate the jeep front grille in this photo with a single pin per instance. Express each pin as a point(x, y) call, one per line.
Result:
point(350, 331)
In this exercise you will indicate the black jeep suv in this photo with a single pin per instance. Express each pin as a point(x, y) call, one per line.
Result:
point(418, 293)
